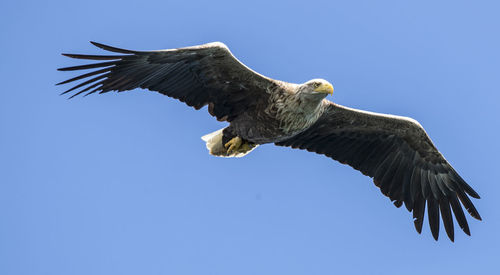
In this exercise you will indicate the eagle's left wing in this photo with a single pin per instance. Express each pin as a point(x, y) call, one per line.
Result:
point(402, 160)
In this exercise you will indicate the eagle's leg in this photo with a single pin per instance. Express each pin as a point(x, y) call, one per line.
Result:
point(238, 145)
point(233, 145)
point(224, 143)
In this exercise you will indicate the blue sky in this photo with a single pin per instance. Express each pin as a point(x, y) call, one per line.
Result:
point(122, 184)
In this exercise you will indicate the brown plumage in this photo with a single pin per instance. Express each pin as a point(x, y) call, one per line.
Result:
point(395, 151)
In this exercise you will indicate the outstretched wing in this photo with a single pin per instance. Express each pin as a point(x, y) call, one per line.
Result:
point(201, 75)
point(397, 153)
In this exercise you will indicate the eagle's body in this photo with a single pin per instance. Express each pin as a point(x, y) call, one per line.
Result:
point(395, 151)
point(286, 111)
point(284, 114)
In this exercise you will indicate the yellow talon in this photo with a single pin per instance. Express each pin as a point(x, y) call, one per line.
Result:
point(234, 144)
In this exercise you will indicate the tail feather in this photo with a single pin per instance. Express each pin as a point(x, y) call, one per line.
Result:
point(216, 147)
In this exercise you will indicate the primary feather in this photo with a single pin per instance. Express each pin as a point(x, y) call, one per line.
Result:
point(395, 151)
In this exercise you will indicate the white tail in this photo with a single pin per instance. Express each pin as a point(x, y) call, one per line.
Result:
point(216, 148)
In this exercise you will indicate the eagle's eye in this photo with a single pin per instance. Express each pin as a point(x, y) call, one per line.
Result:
point(317, 84)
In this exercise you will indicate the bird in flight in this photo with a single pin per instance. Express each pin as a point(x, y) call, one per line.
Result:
point(395, 151)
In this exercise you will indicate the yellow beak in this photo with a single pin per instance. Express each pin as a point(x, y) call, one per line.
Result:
point(326, 88)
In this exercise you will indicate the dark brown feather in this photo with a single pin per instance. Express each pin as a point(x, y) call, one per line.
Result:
point(418, 212)
point(94, 57)
point(433, 213)
point(202, 75)
point(444, 206)
point(88, 66)
point(402, 160)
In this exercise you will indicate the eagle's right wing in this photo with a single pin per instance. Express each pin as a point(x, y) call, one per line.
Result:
point(201, 75)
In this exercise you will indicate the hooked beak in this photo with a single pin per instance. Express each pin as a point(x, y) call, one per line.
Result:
point(326, 88)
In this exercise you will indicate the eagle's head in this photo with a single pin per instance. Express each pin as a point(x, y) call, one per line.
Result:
point(316, 88)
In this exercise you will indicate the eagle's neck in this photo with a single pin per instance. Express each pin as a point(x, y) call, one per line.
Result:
point(295, 112)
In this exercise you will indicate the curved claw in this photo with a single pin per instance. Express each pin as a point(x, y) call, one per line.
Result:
point(233, 145)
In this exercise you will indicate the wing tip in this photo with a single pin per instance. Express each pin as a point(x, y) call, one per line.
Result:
point(478, 217)
point(418, 222)
point(97, 44)
point(474, 194)
point(112, 49)
point(63, 93)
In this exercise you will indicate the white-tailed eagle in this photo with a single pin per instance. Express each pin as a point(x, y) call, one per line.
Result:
point(395, 151)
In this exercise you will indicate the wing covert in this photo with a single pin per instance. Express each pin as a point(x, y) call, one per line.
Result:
point(402, 160)
point(201, 75)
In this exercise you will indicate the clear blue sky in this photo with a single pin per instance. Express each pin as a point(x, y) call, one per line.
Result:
point(122, 183)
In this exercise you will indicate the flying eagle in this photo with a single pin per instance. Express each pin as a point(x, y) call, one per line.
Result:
point(395, 151)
